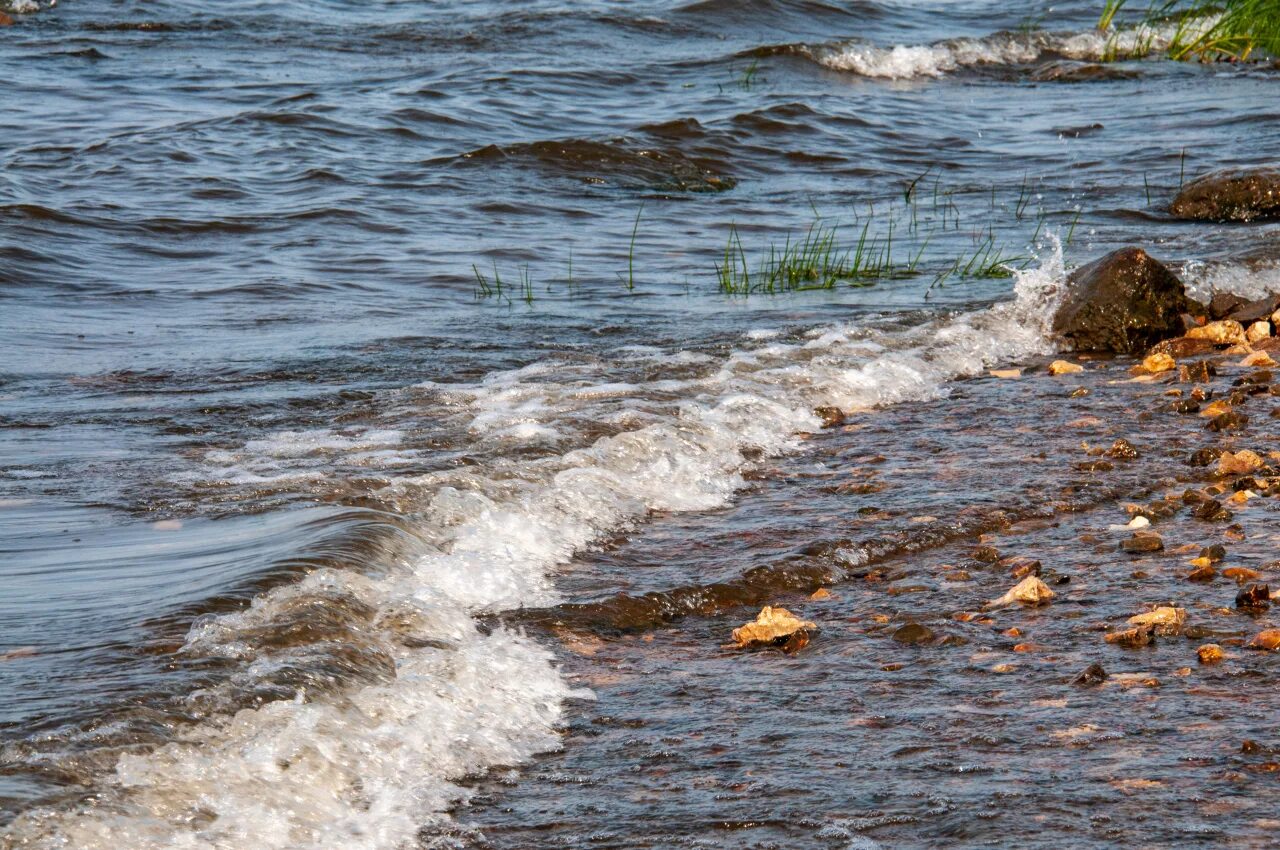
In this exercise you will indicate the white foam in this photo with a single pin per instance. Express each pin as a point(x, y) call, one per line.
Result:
point(900, 62)
point(1248, 280)
point(368, 769)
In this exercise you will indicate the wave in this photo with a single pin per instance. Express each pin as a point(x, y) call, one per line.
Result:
point(420, 694)
point(999, 49)
point(620, 162)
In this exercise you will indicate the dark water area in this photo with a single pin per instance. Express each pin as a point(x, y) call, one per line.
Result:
point(355, 357)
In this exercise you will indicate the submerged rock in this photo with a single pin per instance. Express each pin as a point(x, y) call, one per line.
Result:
point(1123, 302)
point(1230, 195)
point(913, 633)
point(773, 627)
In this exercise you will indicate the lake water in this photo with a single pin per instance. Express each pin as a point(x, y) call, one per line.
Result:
point(355, 357)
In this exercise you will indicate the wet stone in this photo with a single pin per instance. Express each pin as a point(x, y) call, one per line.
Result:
point(1210, 653)
point(1094, 674)
point(1122, 449)
point(1229, 421)
point(1256, 597)
point(913, 634)
point(1138, 636)
point(1211, 510)
point(1204, 457)
point(1216, 553)
point(1199, 372)
point(1186, 406)
point(830, 416)
point(1142, 543)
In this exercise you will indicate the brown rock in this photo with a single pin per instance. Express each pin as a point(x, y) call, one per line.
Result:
point(1142, 543)
point(772, 627)
point(1222, 332)
point(830, 416)
point(1123, 302)
point(1240, 575)
point(1223, 304)
point(1154, 364)
point(1064, 367)
point(1029, 591)
point(1268, 640)
point(1256, 597)
point(1230, 195)
point(1181, 347)
point(1135, 637)
point(1229, 421)
point(1255, 311)
point(1258, 331)
point(1239, 463)
point(913, 634)
point(5, 20)
point(1202, 573)
point(1122, 449)
point(1094, 674)
point(1196, 373)
point(1258, 358)
point(1165, 619)
point(1210, 653)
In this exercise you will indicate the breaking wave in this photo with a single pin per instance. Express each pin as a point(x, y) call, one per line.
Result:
point(417, 695)
point(1000, 49)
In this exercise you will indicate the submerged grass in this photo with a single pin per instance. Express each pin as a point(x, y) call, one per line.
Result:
point(1203, 29)
point(817, 261)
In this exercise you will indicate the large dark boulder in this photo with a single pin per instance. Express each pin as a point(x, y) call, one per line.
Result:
point(1124, 302)
point(1230, 196)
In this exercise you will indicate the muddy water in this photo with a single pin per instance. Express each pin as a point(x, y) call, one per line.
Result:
point(307, 526)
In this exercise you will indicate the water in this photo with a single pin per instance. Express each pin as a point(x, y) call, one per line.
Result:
point(309, 536)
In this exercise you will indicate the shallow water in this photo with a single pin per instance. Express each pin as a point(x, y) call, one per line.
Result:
point(289, 493)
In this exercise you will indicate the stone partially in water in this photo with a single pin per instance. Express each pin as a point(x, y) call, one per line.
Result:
point(1094, 674)
point(1122, 449)
point(1269, 639)
point(772, 627)
point(1166, 620)
point(1123, 302)
point(1210, 653)
point(1030, 591)
point(1230, 195)
point(1142, 543)
point(1135, 637)
point(1255, 597)
point(1222, 332)
point(913, 634)
point(1154, 364)
point(830, 416)
point(1199, 372)
point(1239, 463)
point(1230, 421)
point(1064, 367)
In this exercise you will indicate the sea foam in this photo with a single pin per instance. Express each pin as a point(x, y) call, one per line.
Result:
point(370, 765)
